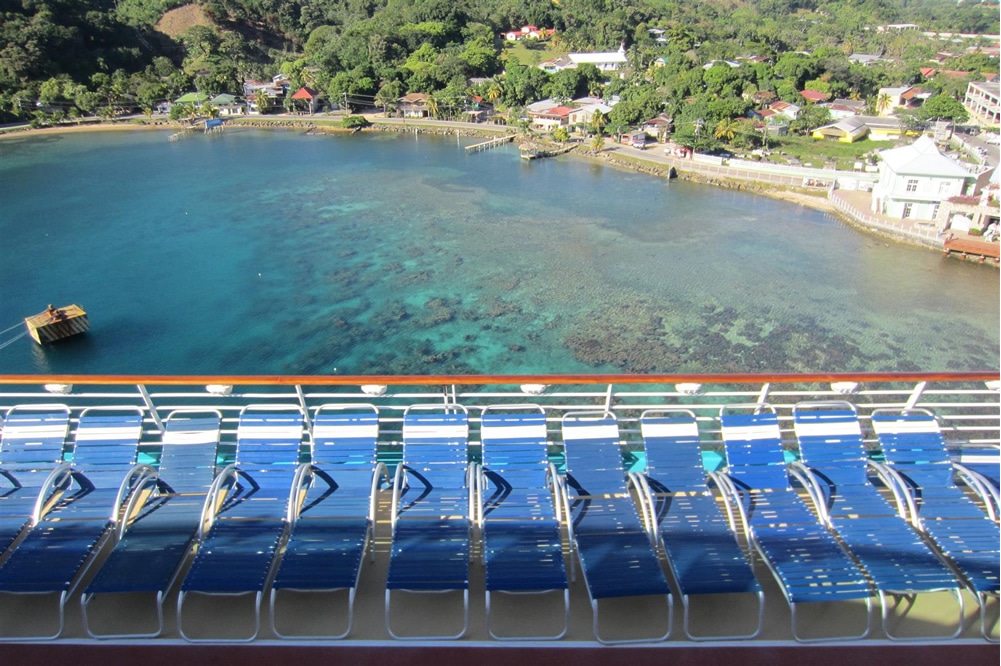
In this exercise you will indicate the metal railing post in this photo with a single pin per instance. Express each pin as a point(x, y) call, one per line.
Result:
point(150, 406)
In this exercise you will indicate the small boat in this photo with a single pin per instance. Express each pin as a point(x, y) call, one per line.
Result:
point(57, 323)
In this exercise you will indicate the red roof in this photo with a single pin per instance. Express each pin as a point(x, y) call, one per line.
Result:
point(305, 93)
point(815, 95)
point(557, 111)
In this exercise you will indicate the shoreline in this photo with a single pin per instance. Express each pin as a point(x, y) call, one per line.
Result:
point(607, 157)
point(294, 123)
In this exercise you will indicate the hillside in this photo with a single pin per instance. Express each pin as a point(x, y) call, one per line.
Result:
point(177, 21)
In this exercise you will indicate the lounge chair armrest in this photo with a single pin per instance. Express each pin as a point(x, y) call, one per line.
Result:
point(378, 473)
point(902, 495)
point(638, 481)
point(471, 491)
point(399, 476)
point(58, 479)
point(979, 484)
point(136, 501)
point(731, 501)
point(559, 492)
point(806, 477)
point(15, 484)
point(304, 475)
point(213, 498)
point(642, 486)
point(139, 475)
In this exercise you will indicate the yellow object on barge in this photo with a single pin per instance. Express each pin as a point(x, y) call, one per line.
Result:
point(57, 323)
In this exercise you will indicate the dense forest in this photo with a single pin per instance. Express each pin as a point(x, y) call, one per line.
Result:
point(67, 58)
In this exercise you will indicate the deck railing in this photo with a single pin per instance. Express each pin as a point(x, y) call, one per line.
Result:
point(968, 404)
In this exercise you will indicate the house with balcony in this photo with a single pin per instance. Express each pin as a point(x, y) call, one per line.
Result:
point(983, 101)
point(550, 119)
point(915, 179)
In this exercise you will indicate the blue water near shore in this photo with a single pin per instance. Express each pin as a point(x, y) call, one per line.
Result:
point(256, 252)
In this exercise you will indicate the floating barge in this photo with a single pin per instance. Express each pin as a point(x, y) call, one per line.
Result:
point(57, 323)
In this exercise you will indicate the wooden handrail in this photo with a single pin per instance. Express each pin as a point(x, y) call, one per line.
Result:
point(432, 380)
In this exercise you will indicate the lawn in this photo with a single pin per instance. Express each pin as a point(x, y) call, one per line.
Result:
point(817, 153)
point(530, 52)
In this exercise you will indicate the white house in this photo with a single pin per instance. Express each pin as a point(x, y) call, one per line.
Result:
point(583, 115)
point(915, 179)
point(605, 62)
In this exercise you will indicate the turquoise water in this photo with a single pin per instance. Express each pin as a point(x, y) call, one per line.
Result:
point(274, 252)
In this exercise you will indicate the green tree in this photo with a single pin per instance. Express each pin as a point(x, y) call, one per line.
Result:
point(943, 107)
point(726, 129)
point(809, 118)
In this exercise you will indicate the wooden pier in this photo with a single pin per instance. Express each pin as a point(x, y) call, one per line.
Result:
point(57, 323)
point(492, 143)
point(181, 134)
point(974, 249)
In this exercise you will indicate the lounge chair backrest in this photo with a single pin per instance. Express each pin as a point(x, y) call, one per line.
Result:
point(33, 440)
point(912, 443)
point(515, 446)
point(754, 453)
point(435, 442)
point(188, 457)
point(269, 439)
point(107, 442)
point(344, 437)
point(830, 441)
point(673, 451)
point(594, 457)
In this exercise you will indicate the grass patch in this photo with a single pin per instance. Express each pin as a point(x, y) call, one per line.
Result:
point(530, 52)
point(819, 153)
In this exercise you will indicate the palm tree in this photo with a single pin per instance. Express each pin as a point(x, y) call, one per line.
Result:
point(598, 143)
point(433, 108)
point(883, 103)
point(726, 129)
point(598, 121)
point(262, 100)
point(494, 92)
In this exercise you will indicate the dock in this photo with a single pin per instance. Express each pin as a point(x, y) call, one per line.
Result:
point(532, 151)
point(57, 323)
point(492, 143)
point(973, 249)
point(181, 134)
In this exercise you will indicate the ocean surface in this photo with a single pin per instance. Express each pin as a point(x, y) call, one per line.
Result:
point(254, 252)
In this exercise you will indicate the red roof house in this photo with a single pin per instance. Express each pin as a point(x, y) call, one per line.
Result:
point(814, 96)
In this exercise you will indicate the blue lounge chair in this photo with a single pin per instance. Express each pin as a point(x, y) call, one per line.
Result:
point(334, 523)
point(518, 518)
point(30, 450)
point(432, 509)
point(807, 562)
point(57, 550)
point(159, 526)
point(916, 457)
point(698, 540)
point(980, 469)
point(237, 543)
point(834, 465)
point(614, 544)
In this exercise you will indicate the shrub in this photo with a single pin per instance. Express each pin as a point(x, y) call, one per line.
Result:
point(354, 122)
